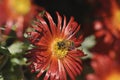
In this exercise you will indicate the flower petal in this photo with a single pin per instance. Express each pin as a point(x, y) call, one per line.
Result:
point(77, 41)
point(73, 33)
point(77, 64)
point(68, 69)
point(43, 68)
point(52, 71)
point(68, 25)
point(76, 53)
point(70, 66)
point(62, 72)
point(51, 22)
point(43, 25)
point(59, 24)
point(63, 28)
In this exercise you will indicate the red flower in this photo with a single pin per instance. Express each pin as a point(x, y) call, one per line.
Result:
point(106, 39)
point(105, 68)
point(109, 26)
point(56, 51)
point(112, 22)
point(16, 15)
point(107, 30)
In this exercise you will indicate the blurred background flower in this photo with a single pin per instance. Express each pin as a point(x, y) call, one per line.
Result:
point(105, 68)
point(16, 15)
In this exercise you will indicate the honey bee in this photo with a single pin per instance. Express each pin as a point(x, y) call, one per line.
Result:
point(66, 44)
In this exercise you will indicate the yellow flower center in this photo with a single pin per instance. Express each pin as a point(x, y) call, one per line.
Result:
point(21, 7)
point(60, 47)
point(116, 20)
point(113, 76)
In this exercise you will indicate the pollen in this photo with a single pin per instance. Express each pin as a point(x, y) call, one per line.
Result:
point(21, 7)
point(60, 48)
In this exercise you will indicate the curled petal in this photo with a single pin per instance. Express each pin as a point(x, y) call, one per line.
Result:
point(59, 24)
point(51, 22)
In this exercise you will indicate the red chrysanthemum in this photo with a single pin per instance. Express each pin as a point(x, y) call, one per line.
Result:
point(16, 15)
point(56, 51)
point(105, 68)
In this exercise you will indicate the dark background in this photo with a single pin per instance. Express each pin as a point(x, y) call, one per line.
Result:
point(84, 11)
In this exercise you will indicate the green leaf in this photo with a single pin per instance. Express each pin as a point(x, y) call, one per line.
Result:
point(4, 55)
point(11, 72)
point(87, 44)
